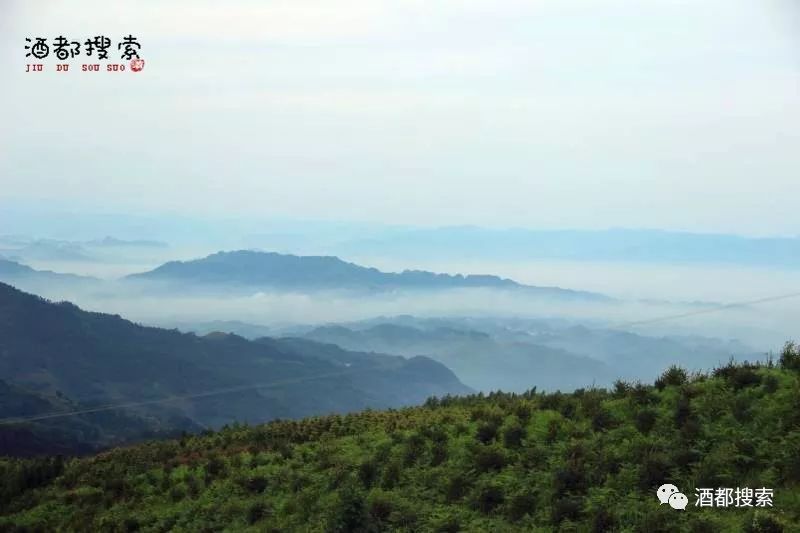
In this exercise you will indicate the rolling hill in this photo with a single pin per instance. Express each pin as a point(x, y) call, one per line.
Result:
point(511, 353)
point(478, 358)
point(12, 271)
point(56, 350)
point(587, 461)
point(254, 269)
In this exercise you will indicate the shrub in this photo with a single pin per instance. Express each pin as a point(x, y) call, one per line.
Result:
point(379, 506)
point(621, 388)
point(763, 522)
point(487, 497)
point(522, 412)
point(348, 513)
point(603, 520)
point(215, 466)
point(655, 468)
point(683, 410)
point(739, 375)
point(254, 484)
point(568, 508)
point(391, 475)
point(447, 524)
point(645, 419)
point(256, 512)
point(414, 448)
point(368, 472)
point(571, 478)
point(521, 504)
point(438, 453)
point(456, 487)
point(673, 376)
point(790, 357)
point(177, 493)
point(602, 420)
point(771, 384)
point(513, 434)
point(487, 458)
point(130, 525)
point(642, 395)
point(487, 432)
point(741, 408)
point(404, 515)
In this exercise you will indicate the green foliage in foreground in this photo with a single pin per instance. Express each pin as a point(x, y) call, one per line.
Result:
point(586, 461)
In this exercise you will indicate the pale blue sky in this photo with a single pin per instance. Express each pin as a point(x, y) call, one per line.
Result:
point(550, 113)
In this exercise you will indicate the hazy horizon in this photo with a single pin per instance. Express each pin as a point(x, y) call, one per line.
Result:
point(547, 115)
point(377, 131)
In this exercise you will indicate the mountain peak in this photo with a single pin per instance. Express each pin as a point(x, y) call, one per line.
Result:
point(271, 269)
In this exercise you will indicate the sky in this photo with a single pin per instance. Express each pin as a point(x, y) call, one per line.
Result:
point(542, 113)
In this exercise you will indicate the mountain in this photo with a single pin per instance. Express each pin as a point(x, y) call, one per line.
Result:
point(478, 359)
point(635, 356)
point(112, 242)
point(588, 461)
point(290, 272)
point(53, 284)
point(628, 245)
point(507, 353)
point(12, 271)
point(78, 434)
point(12, 268)
point(43, 249)
point(95, 359)
point(237, 327)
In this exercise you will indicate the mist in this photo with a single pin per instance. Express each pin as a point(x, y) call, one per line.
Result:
point(763, 326)
point(649, 297)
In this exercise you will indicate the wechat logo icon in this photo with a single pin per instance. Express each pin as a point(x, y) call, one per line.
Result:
point(670, 494)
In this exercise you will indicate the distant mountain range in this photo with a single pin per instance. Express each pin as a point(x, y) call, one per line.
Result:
point(57, 357)
point(354, 239)
point(291, 272)
point(112, 242)
point(515, 354)
point(627, 245)
point(27, 249)
point(476, 357)
point(13, 271)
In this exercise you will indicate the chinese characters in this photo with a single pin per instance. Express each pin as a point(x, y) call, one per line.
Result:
point(729, 497)
point(97, 46)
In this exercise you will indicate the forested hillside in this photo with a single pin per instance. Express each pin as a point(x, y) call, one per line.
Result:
point(586, 461)
point(56, 357)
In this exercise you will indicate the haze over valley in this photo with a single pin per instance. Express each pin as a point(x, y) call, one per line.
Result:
point(550, 318)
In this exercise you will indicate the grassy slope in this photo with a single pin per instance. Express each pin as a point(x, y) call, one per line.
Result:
point(587, 461)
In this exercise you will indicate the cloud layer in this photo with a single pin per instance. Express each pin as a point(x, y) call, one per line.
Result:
point(552, 113)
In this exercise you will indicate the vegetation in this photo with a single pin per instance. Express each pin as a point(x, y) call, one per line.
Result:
point(586, 461)
point(55, 357)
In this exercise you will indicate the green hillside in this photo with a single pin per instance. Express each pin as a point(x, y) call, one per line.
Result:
point(56, 357)
point(586, 461)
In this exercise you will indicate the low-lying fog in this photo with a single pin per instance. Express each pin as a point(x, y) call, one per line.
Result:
point(673, 282)
point(645, 292)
